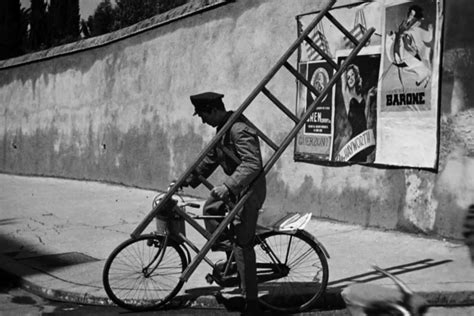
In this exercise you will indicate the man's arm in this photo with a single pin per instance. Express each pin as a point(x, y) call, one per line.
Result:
point(247, 146)
point(205, 168)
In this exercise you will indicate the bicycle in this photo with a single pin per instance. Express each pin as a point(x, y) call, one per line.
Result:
point(147, 272)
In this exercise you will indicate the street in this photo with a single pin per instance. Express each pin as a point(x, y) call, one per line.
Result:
point(16, 301)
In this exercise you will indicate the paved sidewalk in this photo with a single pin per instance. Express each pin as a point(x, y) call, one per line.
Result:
point(56, 234)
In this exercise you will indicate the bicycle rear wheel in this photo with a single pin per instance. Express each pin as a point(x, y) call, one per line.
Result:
point(143, 273)
point(292, 271)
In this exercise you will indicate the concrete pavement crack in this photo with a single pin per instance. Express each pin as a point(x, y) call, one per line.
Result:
point(40, 240)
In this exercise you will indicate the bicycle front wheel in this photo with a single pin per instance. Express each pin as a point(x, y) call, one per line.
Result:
point(292, 271)
point(143, 273)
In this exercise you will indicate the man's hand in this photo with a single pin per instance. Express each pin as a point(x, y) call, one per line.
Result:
point(189, 180)
point(220, 192)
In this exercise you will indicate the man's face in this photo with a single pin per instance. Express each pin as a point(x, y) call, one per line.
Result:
point(209, 118)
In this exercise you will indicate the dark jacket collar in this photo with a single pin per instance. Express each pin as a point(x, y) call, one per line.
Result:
point(226, 118)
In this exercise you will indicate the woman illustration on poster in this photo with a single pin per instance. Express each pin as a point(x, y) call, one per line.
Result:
point(357, 106)
point(409, 47)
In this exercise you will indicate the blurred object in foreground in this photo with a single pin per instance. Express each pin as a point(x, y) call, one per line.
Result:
point(469, 231)
point(370, 299)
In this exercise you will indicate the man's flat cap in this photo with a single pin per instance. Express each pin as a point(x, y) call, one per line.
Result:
point(205, 100)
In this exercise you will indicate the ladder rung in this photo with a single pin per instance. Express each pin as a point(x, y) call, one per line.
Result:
point(302, 79)
point(322, 53)
point(262, 135)
point(280, 105)
point(342, 28)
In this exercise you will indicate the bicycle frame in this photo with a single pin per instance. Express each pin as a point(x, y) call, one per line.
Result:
point(190, 219)
point(273, 271)
point(156, 259)
point(211, 238)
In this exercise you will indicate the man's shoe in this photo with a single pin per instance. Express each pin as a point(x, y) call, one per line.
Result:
point(252, 308)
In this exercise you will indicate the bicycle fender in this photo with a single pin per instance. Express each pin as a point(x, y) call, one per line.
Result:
point(326, 253)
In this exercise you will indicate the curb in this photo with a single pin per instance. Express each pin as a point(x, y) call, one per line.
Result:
point(331, 299)
point(22, 271)
point(457, 298)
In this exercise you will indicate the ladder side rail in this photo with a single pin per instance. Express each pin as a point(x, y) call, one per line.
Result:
point(313, 24)
point(159, 207)
point(280, 105)
point(302, 79)
point(193, 247)
point(200, 256)
point(342, 29)
point(149, 217)
point(317, 102)
point(322, 53)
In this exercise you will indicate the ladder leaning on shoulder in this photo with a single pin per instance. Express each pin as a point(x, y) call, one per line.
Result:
point(278, 150)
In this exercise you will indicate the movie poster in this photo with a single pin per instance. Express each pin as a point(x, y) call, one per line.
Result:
point(355, 116)
point(315, 138)
point(383, 110)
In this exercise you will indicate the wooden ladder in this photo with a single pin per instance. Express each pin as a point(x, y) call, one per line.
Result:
point(278, 149)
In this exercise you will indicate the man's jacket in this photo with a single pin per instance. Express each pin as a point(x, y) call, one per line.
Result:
point(238, 153)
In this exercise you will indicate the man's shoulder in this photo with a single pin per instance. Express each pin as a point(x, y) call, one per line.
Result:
point(241, 126)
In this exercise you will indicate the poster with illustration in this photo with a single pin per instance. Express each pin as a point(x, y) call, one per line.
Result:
point(315, 137)
point(408, 56)
point(383, 110)
point(355, 116)
point(408, 99)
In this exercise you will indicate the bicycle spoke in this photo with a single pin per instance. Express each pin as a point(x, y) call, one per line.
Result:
point(298, 287)
point(301, 258)
point(288, 250)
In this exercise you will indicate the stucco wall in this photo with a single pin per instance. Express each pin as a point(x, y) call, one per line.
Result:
point(120, 112)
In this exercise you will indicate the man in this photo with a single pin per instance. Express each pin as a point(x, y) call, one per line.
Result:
point(238, 153)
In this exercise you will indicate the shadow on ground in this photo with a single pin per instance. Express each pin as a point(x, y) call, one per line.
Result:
point(330, 300)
